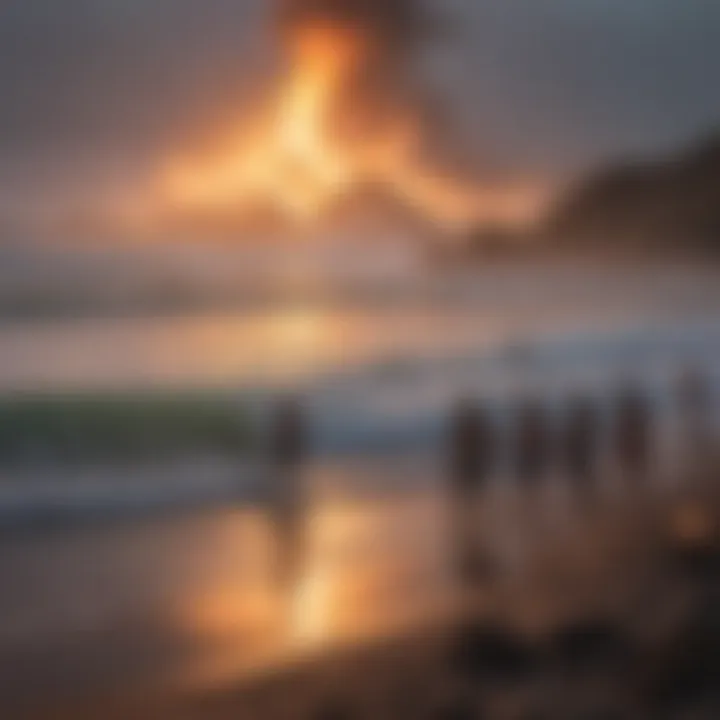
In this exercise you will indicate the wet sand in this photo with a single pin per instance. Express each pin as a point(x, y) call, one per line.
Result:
point(190, 601)
point(182, 617)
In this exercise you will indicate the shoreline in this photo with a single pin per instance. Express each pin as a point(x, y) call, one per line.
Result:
point(420, 664)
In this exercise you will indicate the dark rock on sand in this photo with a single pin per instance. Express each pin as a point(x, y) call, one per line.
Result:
point(594, 644)
point(487, 652)
point(457, 711)
point(687, 671)
point(699, 560)
point(335, 711)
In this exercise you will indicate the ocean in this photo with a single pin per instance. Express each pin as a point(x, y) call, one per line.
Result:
point(101, 413)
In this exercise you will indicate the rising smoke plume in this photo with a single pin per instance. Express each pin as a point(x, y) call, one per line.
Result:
point(390, 37)
point(394, 27)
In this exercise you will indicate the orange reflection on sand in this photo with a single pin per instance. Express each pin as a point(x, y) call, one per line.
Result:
point(317, 596)
point(229, 610)
point(312, 607)
point(356, 581)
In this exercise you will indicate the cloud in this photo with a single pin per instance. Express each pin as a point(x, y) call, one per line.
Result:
point(93, 90)
point(562, 83)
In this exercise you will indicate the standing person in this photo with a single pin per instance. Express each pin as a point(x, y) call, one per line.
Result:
point(532, 443)
point(580, 446)
point(531, 454)
point(632, 435)
point(695, 400)
point(472, 455)
point(288, 451)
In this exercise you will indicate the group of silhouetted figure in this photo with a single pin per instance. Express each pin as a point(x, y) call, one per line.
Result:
point(475, 443)
point(535, 444)
point(576, 444)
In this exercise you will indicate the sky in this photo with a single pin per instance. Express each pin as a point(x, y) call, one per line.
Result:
point(95, 91)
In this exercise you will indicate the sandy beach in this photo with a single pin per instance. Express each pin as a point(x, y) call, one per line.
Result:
point(181, 616)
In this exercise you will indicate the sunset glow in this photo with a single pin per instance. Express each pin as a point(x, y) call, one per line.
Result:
point(308, 152)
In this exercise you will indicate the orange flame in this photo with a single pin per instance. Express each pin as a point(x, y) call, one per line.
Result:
point(297, 161)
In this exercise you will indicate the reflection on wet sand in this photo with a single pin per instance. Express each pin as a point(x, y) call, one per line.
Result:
point(194, 601)
point(364, 572)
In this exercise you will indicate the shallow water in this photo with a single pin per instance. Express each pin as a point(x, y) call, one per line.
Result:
point(319, 334)
point(380, 366)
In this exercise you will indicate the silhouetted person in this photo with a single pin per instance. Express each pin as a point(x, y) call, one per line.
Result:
point(288, 452)
point(532, 443)
point(695, 400)
point(632, 434)
point(289, 438)
point(471, 457)
point(472, 448)
point(580, 445)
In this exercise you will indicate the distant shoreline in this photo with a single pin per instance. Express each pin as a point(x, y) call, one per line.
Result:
point(345, 295)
